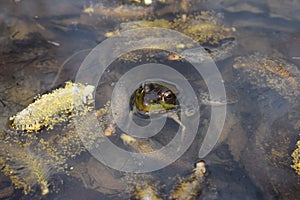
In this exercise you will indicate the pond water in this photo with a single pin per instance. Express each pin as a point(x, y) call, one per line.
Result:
point(43, 44)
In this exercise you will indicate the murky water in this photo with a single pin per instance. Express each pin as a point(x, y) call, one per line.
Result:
point(43, 44)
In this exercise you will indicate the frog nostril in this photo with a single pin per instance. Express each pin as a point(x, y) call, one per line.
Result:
point(148, 87)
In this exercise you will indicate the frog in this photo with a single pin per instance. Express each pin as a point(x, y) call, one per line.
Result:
point(156, 98)
point(159, 98)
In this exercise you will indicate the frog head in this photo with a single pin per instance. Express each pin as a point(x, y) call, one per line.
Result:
point(154, 98)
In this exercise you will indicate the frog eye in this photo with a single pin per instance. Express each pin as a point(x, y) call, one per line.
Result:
point(168, 95)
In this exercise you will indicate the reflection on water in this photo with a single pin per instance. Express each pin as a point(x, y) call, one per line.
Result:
point(252, 158)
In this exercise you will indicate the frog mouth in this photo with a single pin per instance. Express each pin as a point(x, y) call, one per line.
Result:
point(142, 118)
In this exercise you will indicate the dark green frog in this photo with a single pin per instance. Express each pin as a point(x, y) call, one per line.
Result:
point(156, 98)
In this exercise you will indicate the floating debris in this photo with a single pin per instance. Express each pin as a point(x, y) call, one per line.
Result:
point(161, 23)
point(111, 129)
point(205, 28)
point(138, 145)
point(106, 120)
point(67, 142)
point(121, 12)
point(296, 158)
point(58, 106)
point(192, 187)
point(29, 164)
point(146, 191)
point(57, 44)
point(30, 161)
point(230, 98)
point(145, 2)
point(26, 169)
point(212, 53)
point(166, 7)
point(268, 72)
point(79, 134)
point(206, 100)
point(85, 135)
